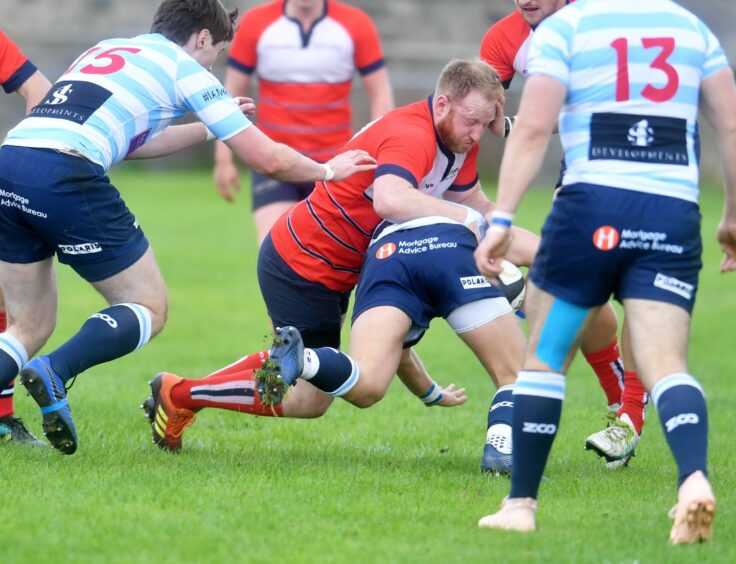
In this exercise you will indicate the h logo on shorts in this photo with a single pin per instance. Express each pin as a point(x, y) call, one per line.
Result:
point(386, 250)
point(606, 238)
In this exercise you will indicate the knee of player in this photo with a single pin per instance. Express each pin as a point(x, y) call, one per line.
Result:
point(34, 334)
point(159, 315)
point(367, 396)
point(505, 377)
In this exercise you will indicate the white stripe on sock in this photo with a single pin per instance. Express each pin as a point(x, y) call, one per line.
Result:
point(540, 384)
point(14, 349)
point(672, 380)
point(144, 322)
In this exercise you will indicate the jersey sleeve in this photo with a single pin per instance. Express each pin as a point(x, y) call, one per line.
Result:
point(368, 54)
point(204, 95)
point(15, 68)
point(494, 52)
point(550, 49)
point(715, 58)
point(467, 178)
point(243, 54)
point(406, 154)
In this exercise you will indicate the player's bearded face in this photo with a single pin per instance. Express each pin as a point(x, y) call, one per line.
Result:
point(464, 123)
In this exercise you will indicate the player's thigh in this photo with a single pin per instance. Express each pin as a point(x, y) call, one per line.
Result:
point(376, 343)
point(499, 346)
point(31, 300)
point(140, 283)
point(658, 332)
point(555, 329)
point(290, 299)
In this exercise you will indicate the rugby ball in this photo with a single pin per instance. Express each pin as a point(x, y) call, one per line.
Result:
point(512, 283)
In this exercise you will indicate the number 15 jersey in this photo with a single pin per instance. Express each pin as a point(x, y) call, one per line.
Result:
point(122, 93)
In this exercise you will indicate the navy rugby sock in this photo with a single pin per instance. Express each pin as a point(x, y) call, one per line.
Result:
point(502, 407)
point(537, 408)
point(107, 335)
point(330, 370)
point(684, 417)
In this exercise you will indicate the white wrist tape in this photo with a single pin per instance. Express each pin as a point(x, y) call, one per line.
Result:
point(329, 172)
point(433, 396)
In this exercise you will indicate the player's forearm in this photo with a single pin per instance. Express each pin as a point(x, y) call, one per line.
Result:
point(287, 165)
point(727, 139)
point(474, 198)
point(412, 373)
point(222, 153)
point(406, 204)
point(33, 90)
point(521, 162)
point(173, 139)
point(523, 248)
point(379, 91)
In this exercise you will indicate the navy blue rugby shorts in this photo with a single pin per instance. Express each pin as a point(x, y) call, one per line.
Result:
point(426, 272)
point(598, 241)
point(290, 299)
point(52, 202)
point(265, 190)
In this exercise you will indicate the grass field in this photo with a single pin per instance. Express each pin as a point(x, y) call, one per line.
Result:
point(395, 483)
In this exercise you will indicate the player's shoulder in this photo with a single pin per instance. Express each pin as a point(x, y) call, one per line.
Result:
point(511, 28)
point(5, 40)
point(411, 121)
point(347, 13)
point(261, 14)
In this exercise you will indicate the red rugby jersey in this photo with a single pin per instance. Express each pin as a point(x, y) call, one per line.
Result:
point(324, 237)
point(505, 46)
point(15, 68)
point(304, 79)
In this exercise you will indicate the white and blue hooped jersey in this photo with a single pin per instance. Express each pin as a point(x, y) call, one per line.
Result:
point(633, 71)
point(122, 93)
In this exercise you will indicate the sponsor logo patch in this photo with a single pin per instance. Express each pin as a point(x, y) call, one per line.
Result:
point(385, 251)
point(681, 419)
point(72, 100)
point(540, 428)
point(606, 238)
point(470, 282)
point(674, 285)
point(638, 138)
point(83, 249)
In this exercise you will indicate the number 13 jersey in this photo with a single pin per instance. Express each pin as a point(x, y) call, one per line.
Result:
point(629, 121)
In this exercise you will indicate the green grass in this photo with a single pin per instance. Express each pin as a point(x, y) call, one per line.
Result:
point(395, 483)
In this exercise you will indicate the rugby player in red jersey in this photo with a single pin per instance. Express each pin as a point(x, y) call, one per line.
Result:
point(304, 54)
point(308, 265)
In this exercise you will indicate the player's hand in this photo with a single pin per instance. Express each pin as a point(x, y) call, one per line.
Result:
point(498, 125)
point(227, 181)
point(491, 250)
point(452, 397)
point(246, 105)
point(348, 163)
point(726, 235)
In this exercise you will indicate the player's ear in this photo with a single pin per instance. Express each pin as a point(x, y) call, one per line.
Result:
point(203, 37)
point(441, 106)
